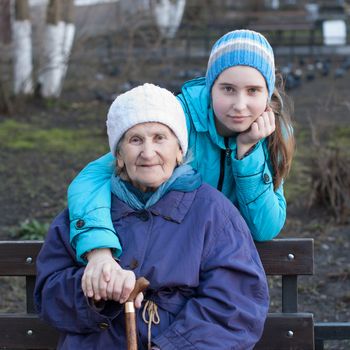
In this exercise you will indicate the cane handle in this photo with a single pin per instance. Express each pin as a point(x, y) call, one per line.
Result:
point(140, 285)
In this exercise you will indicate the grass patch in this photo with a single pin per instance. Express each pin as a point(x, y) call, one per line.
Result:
point(22, 136)
point(299, 181)
point(30, 230)
point(340, 138)
point(297, 184)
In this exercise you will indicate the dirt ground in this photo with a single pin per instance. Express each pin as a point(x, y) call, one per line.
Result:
point(44, 144)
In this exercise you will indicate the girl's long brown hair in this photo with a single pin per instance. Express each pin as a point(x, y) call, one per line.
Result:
point(281, 142)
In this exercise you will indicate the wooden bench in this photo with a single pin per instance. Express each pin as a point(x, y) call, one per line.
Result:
point(287, 329)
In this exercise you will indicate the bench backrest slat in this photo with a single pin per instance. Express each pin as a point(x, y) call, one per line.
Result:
point(279, 257)
point(27, 331)
point(287, 331)
point(23, 331)
point(287, 256)
point(17, 258)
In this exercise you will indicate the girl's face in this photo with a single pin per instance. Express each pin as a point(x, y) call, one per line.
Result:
point(239, 97)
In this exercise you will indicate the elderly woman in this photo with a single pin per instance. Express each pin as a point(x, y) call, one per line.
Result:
point(207, 288)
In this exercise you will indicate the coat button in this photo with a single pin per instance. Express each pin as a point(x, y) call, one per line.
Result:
point(80, 223)
point(134, 264)
point(103, 325)
point(143, 215)
point(266, 178)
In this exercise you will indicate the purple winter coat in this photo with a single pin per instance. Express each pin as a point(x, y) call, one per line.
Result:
point(205, 276)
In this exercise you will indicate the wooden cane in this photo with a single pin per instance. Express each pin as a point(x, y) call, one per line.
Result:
point(130, 319)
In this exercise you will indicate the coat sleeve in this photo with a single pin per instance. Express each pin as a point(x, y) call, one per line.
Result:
point(231, 304)
point(89, 202)
point(263, 208)
point(58, 295)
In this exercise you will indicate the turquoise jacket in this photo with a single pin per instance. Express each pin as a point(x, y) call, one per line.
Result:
point(246, 182)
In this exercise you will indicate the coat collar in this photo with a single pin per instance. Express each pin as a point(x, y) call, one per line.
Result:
point(172, 207)
point(196, 97)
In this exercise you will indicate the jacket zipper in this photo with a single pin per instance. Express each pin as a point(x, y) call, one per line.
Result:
point(225, 156)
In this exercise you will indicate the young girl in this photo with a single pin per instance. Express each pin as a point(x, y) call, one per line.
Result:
point(241, 142)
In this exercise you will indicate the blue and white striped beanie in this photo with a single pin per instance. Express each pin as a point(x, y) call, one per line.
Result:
point(242, 48)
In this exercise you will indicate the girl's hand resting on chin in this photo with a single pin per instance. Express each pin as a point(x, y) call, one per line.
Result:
point(262, 127)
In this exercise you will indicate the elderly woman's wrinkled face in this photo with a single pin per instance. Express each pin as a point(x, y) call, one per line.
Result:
point(148, 155)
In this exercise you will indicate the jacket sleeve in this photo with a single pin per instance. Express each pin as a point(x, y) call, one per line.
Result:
point(58, 295)
point(263, 208)
point(231, 304)
point(89, 202)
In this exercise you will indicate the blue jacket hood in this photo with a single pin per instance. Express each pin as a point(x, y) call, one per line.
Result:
point(197, 105)
point(197, 101)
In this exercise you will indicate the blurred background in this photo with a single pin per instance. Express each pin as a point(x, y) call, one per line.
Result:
point(63, 62)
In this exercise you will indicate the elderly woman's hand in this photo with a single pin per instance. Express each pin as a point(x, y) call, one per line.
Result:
point(104, 279)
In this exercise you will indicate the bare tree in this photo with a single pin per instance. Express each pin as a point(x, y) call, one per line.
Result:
point(22, 49)
point(68, 38)
point(168, 15)
point(59, 36)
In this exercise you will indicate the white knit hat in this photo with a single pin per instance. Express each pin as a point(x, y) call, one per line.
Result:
point(142, 104)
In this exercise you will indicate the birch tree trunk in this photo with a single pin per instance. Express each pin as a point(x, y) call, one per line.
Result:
point(22, 49)
point(50, 76)
point(168, 15)
point(58, 41)
point(68, 38)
